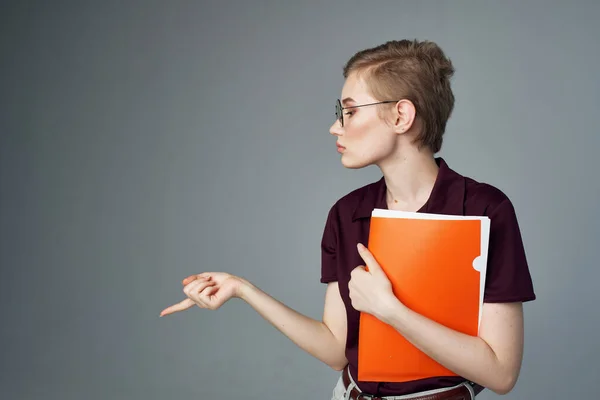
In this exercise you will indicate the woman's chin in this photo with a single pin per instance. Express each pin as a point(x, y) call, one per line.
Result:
point(352, 163)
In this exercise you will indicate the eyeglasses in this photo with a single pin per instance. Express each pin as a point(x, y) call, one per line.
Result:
point(340, 115)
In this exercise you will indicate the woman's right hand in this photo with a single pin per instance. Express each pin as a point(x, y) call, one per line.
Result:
point(207, 290)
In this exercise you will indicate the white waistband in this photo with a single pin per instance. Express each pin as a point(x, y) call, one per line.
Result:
point(411, 395)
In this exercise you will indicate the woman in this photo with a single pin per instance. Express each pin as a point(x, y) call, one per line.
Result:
point(396, 102)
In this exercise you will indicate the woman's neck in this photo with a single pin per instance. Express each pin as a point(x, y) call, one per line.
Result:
point(409, 179)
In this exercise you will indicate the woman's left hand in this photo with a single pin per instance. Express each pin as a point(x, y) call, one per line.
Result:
point(371, 291)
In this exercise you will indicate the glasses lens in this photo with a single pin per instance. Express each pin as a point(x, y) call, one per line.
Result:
point(338, 112)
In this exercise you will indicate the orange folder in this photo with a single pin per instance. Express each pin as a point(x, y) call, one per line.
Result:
point(436, 265)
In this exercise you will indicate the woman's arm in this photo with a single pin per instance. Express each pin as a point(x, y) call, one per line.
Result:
point(492, 359)
point(325, 340)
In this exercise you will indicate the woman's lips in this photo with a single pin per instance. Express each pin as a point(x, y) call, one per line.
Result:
point(340, 148)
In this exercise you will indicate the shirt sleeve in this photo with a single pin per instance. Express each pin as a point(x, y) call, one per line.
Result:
point(507, 278)
point(328, 250)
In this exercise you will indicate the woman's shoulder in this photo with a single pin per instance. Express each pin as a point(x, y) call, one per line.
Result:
point(484, 198)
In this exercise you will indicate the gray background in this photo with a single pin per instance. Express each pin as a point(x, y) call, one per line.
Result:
point(145, 141)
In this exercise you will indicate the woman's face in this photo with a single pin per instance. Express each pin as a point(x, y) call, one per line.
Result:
point(365, 138)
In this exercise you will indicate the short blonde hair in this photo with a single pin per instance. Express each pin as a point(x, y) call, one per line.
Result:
point(418, 71)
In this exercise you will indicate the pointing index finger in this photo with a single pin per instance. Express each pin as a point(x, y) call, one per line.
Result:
point(181, 306)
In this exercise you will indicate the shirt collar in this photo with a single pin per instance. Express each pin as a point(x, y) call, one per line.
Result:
point(447, 195)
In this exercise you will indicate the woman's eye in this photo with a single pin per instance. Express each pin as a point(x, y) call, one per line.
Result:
point(349, 112)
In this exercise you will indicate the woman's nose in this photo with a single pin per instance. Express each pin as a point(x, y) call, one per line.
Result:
point(335, 129)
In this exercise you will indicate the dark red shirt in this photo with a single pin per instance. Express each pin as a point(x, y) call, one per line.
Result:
point(507, 278)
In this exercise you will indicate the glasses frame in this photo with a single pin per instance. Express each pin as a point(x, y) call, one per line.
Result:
point(339, 109)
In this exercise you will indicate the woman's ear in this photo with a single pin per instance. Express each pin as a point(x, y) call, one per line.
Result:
point(405, 113)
